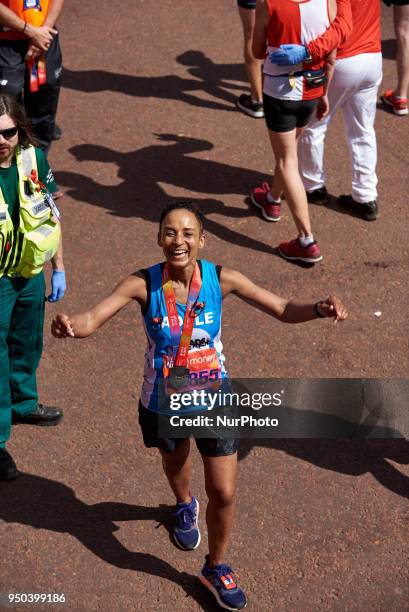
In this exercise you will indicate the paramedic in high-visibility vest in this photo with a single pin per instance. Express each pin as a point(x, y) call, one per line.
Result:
point(30, 235)
point(31, 61)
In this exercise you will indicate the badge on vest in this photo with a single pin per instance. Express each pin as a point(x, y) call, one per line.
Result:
point(49, 200)
point(32, 4)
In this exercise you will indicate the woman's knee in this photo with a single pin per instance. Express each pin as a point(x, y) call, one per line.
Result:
point(222, 496)
point(287, 164)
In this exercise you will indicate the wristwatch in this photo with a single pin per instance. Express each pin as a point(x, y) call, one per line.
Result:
point(318, 310)
point(308, 59)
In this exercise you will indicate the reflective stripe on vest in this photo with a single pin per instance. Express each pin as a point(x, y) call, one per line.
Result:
point(34, 221)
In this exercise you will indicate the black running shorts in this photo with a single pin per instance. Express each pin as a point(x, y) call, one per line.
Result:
point(286, 115)
point(247, 4)
point(396, 2)
point(208, 447)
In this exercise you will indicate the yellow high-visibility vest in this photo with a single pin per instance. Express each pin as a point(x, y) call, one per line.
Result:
point(26, 248)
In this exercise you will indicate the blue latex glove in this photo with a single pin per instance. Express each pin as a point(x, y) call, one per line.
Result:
point(288, 55)
point(58, 286)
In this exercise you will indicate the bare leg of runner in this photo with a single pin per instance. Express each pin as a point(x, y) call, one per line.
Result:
point(277, 187)
point(220, 481)
point(284, 145)
point(177, 467)
point(253, 65)
point(401, 20)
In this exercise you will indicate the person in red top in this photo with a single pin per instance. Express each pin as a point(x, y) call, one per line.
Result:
point(354, 87)
point(398, 98)
point(22, 45)
point(290, 98)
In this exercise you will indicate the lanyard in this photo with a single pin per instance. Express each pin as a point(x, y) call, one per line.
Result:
point(181, 338)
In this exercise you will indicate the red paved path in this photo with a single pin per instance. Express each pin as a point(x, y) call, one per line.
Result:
point(148, 116)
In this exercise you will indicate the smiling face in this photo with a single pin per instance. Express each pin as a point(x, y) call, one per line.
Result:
point(181, 237)
point(7, 145)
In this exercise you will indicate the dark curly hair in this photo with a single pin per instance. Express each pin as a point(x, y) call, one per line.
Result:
point(10, 106)
point(186, 205)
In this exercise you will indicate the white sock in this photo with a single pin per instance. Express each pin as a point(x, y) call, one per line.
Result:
point(271, 200)
point(256, 101)
point(306, 240)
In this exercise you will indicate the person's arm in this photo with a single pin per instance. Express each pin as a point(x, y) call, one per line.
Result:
point(319, 48)
point(57, 261)
point(54, 11)
point(336, 34)
point(259, 43)
point(84, 324)
point(323, 103)
point(281, 308)
point(58, 281)
point(41, 36)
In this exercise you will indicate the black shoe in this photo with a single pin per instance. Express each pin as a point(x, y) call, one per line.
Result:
point(253, 109)
point(8, 469)
point(57, 133)
point(365, 210)
point(42, 415)
point(318, 196)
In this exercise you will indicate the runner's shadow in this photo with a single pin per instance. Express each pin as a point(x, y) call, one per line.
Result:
point(140, 193)
point(350, 457)
point(46, 504)
point(208, 77)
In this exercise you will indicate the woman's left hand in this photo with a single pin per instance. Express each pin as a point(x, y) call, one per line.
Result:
point(323, 107)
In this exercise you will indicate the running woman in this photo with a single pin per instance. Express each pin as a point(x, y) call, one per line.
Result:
point(291, 94)
point(186, 284)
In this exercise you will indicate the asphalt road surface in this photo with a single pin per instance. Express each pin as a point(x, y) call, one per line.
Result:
point(148, 116)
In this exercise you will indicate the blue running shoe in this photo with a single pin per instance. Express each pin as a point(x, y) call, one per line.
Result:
point(186, 532)
point(221, 582)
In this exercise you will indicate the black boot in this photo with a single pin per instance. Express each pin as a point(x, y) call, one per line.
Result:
point(8, 469)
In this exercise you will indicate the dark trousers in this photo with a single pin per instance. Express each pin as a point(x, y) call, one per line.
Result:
point(41, 106)
point(21, 344)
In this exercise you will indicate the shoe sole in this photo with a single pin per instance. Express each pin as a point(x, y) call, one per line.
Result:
point(298, 258)
point(250, 113)
point(400, 113)
point(39, 423)
point(263, 212)
point(200, 537)
point(211, 588)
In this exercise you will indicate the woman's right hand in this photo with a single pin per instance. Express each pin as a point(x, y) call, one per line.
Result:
point(61, 327)
point(42, 37)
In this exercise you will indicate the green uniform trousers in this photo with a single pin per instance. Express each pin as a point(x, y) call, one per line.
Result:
point(21, 344)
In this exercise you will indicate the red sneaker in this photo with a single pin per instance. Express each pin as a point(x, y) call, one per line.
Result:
point(399, 105)
point(294, 251)
point(270, 211)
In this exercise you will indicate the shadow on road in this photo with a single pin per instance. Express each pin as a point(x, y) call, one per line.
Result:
point(140, 193)
point(47, 504)
point(351, 457)
point(209, 78)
